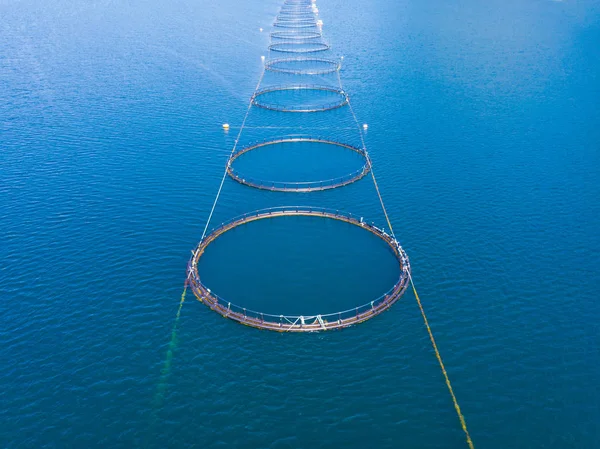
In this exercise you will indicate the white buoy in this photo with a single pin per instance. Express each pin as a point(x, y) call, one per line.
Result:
point(260, 30)
point(365, 126)
point(262, 58)
point(225, 126)
point(341, 57)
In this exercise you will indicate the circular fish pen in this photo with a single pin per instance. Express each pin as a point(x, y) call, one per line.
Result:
point(307, 15)
point(297, 11)
point(299, 47)
point(299, 187)
point(303, 66)
point(305, 107)
point(297, 5)
point(291, 323)
point(295, 24)
point(295, 18)
point(294, 8)
point(300, 35)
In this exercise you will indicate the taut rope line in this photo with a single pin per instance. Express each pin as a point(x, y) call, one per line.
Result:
point(362, 139)
point(161, 388)
point(230, 154)
point(461, 417)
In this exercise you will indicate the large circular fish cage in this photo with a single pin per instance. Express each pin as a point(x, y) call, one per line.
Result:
point(283, 47)
point(293, 36)
point(329, 66)
point(256, 101)
point(290, 323)
point(299, 187)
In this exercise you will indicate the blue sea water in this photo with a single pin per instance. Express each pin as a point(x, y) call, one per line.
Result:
point(299, 162)
point(284, 277)
point(484, 132)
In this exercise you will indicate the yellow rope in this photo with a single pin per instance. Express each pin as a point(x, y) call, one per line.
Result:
point(461, 417)
point(362, 139)
point(463, 423)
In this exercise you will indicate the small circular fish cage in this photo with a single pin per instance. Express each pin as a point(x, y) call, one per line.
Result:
point(306, 15)
point(273, 106)
point(297, 5)
point(295, 16)
point(300, 36)
point(299, 47)
point(289, 323)
point(307, 66)
point(291, 9)
point(297, 11)
point(295, 24)
point(299, 187)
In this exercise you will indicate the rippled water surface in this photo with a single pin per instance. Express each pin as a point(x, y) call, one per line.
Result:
point(483, 127)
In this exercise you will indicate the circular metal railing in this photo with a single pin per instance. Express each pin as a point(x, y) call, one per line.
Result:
point(330, 66)
point(303, 186)
point(298, 323)
point(295, 24)
point(257, 101)
point(308, 15)
point(293, 36)
point(299, 47)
